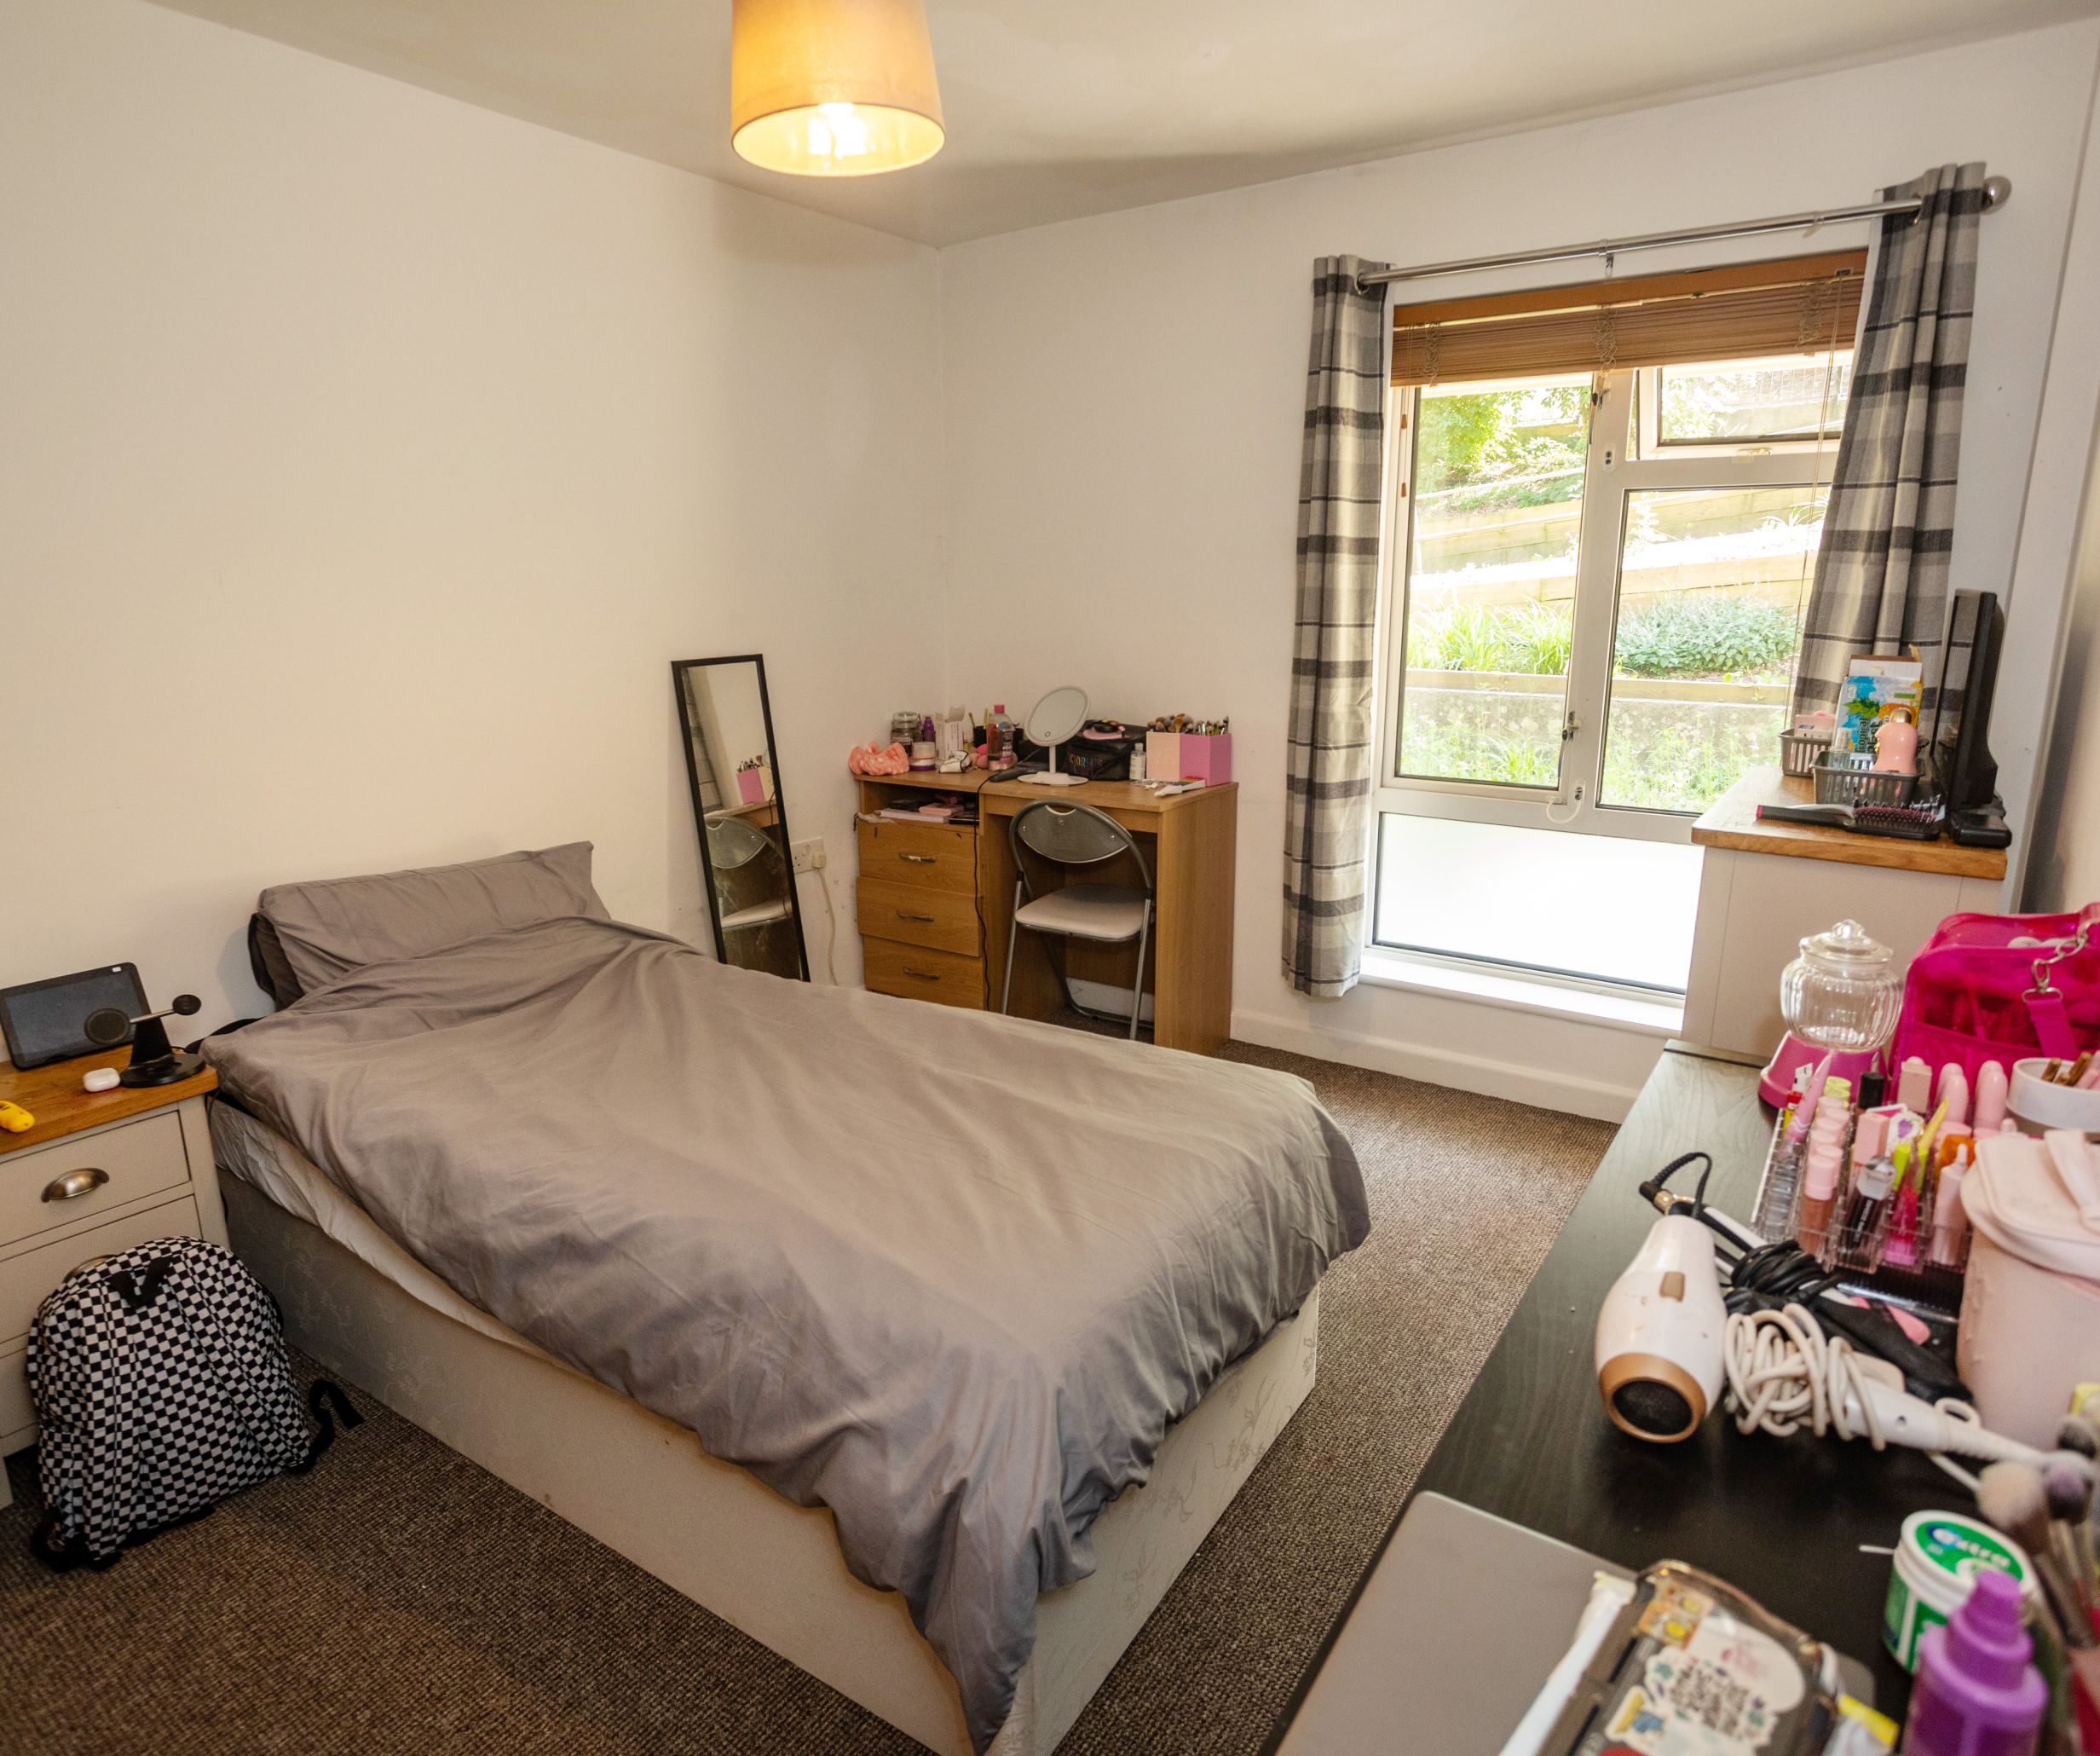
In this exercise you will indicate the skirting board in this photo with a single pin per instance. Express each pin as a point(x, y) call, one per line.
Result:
point(642, 1486)
point(1567, 1092)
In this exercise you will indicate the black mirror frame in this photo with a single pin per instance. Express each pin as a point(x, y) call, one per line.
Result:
point(679, 667)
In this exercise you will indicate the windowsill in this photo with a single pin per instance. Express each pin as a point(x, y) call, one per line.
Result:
point(1623, 1009)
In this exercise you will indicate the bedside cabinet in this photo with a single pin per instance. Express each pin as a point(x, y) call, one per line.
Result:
point(100, 1172)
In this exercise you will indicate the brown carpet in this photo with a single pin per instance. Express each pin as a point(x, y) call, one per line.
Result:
point(399, 1599)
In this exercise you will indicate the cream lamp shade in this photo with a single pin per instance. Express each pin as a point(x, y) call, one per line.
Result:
point(832, 88)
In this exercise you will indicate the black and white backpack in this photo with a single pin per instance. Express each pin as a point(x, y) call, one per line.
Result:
point(163, 1385)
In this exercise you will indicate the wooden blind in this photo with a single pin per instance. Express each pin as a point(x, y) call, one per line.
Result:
point(1797, 305)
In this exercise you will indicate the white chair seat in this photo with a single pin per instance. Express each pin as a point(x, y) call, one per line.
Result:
point(1087, 911)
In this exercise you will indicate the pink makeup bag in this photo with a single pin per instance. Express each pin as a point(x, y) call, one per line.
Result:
point(1973, 996)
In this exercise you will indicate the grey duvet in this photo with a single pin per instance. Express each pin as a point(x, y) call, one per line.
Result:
point(951, 1275)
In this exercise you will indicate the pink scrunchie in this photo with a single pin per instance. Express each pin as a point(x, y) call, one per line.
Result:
point(871, 757)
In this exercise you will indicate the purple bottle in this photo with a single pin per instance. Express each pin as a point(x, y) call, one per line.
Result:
point(1977, 1695)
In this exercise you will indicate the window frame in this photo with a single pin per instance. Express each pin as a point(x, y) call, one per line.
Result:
point(1648, 417)
point(1617, 464)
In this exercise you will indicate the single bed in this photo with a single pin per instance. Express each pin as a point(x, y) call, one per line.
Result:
point(978, 1324)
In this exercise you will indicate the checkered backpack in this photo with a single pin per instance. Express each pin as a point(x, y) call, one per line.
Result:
point(163, 1385)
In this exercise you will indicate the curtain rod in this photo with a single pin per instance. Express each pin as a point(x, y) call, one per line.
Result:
point(1996, 190)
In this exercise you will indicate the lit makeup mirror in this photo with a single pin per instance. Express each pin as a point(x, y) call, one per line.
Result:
point(746, 864)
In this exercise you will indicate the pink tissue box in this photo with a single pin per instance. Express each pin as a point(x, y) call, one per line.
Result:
point(751, 785)
point(1185, 756)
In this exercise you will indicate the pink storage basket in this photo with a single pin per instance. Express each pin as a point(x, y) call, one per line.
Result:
point(1971, 996)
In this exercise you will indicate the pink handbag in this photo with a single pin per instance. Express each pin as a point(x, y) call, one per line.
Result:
point(1973, 996)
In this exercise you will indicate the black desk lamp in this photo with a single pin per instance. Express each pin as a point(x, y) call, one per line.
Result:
point(154, 1060)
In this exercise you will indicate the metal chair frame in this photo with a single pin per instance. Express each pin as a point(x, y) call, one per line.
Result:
point(1024, 891)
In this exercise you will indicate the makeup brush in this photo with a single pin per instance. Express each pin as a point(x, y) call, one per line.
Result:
point(2079, 1435)
point(2067, 1482)
point(2012, 1497)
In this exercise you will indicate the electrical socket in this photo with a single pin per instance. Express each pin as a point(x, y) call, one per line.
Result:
point(809, 856)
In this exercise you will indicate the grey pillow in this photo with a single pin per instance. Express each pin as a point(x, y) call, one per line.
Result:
point(327, 929)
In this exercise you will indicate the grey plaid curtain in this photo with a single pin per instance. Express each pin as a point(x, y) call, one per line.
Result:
point(1881, 574)
point(1327, 797)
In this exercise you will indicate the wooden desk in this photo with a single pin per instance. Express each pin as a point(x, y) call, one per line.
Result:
point(1782, 1518)
point(919, 940)
point(1765, 887)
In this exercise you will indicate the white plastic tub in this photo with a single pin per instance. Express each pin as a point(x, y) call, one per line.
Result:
point(2030, 1314)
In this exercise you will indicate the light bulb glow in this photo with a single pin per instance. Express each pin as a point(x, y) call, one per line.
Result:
point(834, 139)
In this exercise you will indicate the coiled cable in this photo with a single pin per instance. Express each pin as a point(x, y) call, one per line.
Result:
point(1783, 1374)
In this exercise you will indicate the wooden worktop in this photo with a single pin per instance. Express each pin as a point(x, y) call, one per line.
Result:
point(54, 1095)
point(1783, 1519)
point(930, 780)
point(1005, 796)
point(1733, 822)
point(1105, 795)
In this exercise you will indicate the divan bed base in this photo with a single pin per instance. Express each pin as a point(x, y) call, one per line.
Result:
point(641, 1485)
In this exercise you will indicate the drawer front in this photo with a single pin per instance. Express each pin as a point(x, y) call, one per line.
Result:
point(25, 1278)
point(914, 972)
point(928, 856)
point(73, 1178)
point(16, 1410)
point(942, 919)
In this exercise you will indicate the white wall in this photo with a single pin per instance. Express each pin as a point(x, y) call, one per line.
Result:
point(2060, 553)
point(1124, 397)
point(364, 459)
point(2064, 871)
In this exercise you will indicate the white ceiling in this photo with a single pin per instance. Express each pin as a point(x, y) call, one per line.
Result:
point(1058, 108)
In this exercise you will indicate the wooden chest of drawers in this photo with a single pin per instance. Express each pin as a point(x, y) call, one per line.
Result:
point(920, 936)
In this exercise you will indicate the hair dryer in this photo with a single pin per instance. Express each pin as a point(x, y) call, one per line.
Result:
point(1659, 1334)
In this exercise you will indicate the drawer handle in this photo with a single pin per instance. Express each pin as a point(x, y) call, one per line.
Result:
point(918, 859)
point(923, 920)
point(924, 975)
point(75, 1184)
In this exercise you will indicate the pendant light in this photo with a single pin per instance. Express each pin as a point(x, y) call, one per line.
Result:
point(832, 88)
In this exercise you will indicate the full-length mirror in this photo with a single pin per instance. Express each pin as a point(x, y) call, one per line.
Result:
point(746, 861)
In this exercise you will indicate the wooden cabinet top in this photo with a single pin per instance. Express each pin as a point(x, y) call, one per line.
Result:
point(53, 1094)
point(1733, 822)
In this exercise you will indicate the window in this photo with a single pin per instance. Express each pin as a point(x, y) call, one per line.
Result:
point(1598, 580)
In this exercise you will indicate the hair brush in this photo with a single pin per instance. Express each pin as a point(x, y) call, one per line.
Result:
point(1911, 822)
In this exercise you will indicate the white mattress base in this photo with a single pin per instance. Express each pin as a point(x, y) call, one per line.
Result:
point(642, 1485)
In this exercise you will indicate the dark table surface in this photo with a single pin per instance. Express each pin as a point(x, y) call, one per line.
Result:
point(1783, 1519)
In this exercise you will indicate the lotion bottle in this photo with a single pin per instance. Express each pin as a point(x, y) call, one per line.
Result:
point(1953, 1092)
point(1895, 743)
point(1978, 1693)
point(1992, 1089)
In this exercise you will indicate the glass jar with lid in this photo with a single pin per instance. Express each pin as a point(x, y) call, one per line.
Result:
point(1842, 991)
